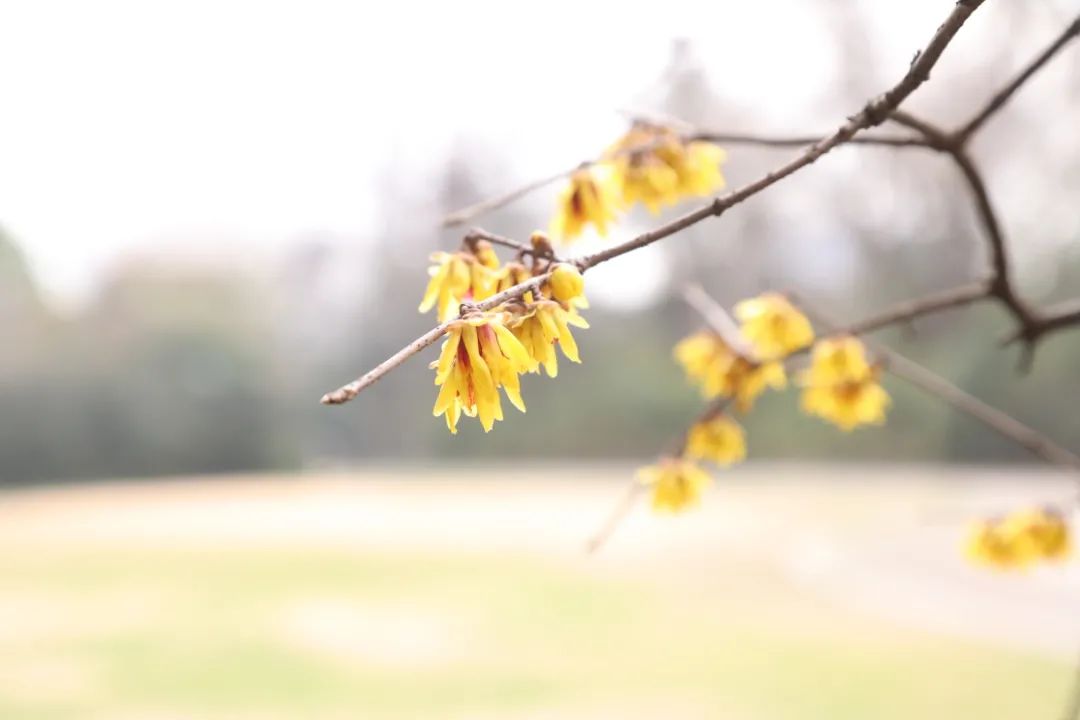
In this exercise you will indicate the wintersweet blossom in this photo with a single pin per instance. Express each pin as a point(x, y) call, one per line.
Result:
point(1019, 540)
point(468, 274)
point(590, 198)
point(721, 372)
point(842, 387)
point(773, 325)
point(676, 483)
point(719, 439)
point(479, 356)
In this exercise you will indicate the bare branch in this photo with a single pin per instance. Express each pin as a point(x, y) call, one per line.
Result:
point(618, 514)
point(1002, 96)
point(958, 296)
point(1001, 284)
point(718, 319)
point(464, 215)
point(997, 420)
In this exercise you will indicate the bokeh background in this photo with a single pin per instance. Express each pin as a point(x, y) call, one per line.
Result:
point(212, 213)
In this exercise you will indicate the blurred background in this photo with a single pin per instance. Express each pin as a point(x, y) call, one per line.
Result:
point(212, 213)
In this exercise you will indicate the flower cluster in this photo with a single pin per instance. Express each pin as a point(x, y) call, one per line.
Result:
point(721, 372)
point(773, 328)
point(650, 164)
point(488, 351)
point(1019, 540)
point(842, 387)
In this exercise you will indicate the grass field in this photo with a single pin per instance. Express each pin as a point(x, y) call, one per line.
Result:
point(384, 596)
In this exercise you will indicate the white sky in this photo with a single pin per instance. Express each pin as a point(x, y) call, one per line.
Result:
point(245, 123)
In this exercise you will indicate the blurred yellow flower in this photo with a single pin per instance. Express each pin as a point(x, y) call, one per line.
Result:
point(838, 360)
point(773, 325)
point(479, 356)
point(697, 165)
point(543, 325)
point(468, 274)
point(719, 439)
point(842, 387)
point(590, 197)
point(721, 372)
point(656, 167)
point(1019, 540)
point(676, 483)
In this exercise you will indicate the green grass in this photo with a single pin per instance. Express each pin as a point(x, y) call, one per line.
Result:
point(213, 635)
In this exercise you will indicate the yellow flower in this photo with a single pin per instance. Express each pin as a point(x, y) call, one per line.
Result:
point(566, 283)
point(655, 166)
point(511, 274)
point(1019, 540)
point(540, 327)
point(468, 274)
point(479, 356)
point(642, 174)
point(838, 360)
point(1039, 533)
point(721, 372)
point(987, 545)
point(590, 197)
point(676, 483)
point(719, 439)
point(848, 404)
point(773, 325)
point(842, 387)
point(697, 165)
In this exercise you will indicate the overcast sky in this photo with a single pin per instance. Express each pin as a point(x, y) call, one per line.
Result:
point(233, 125)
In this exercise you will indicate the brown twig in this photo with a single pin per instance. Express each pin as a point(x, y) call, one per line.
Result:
point(997, 420)
point(615, 519)
point(717, 318)
point(1002, 96)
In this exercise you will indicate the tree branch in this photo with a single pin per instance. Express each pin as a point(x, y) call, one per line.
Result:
point(873, 113)
point(1002, 96)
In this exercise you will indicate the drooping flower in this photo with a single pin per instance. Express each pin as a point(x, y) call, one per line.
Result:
point(657, 167)
point(642, 174)
point(773, 325)
point(589, 198)
point(1019, 540)
point(468, 274)
point(540, 327)
point(842, 387)
point(1039, 532)
point(479, 356)
point(676, 483)
point(720, 372)
point(719, 439)
point(696, 163)
point(511, 274)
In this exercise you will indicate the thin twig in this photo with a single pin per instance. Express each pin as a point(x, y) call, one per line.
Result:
point(720, 321)
point(997, 420)
point(615, 519)
point(1002, 96)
